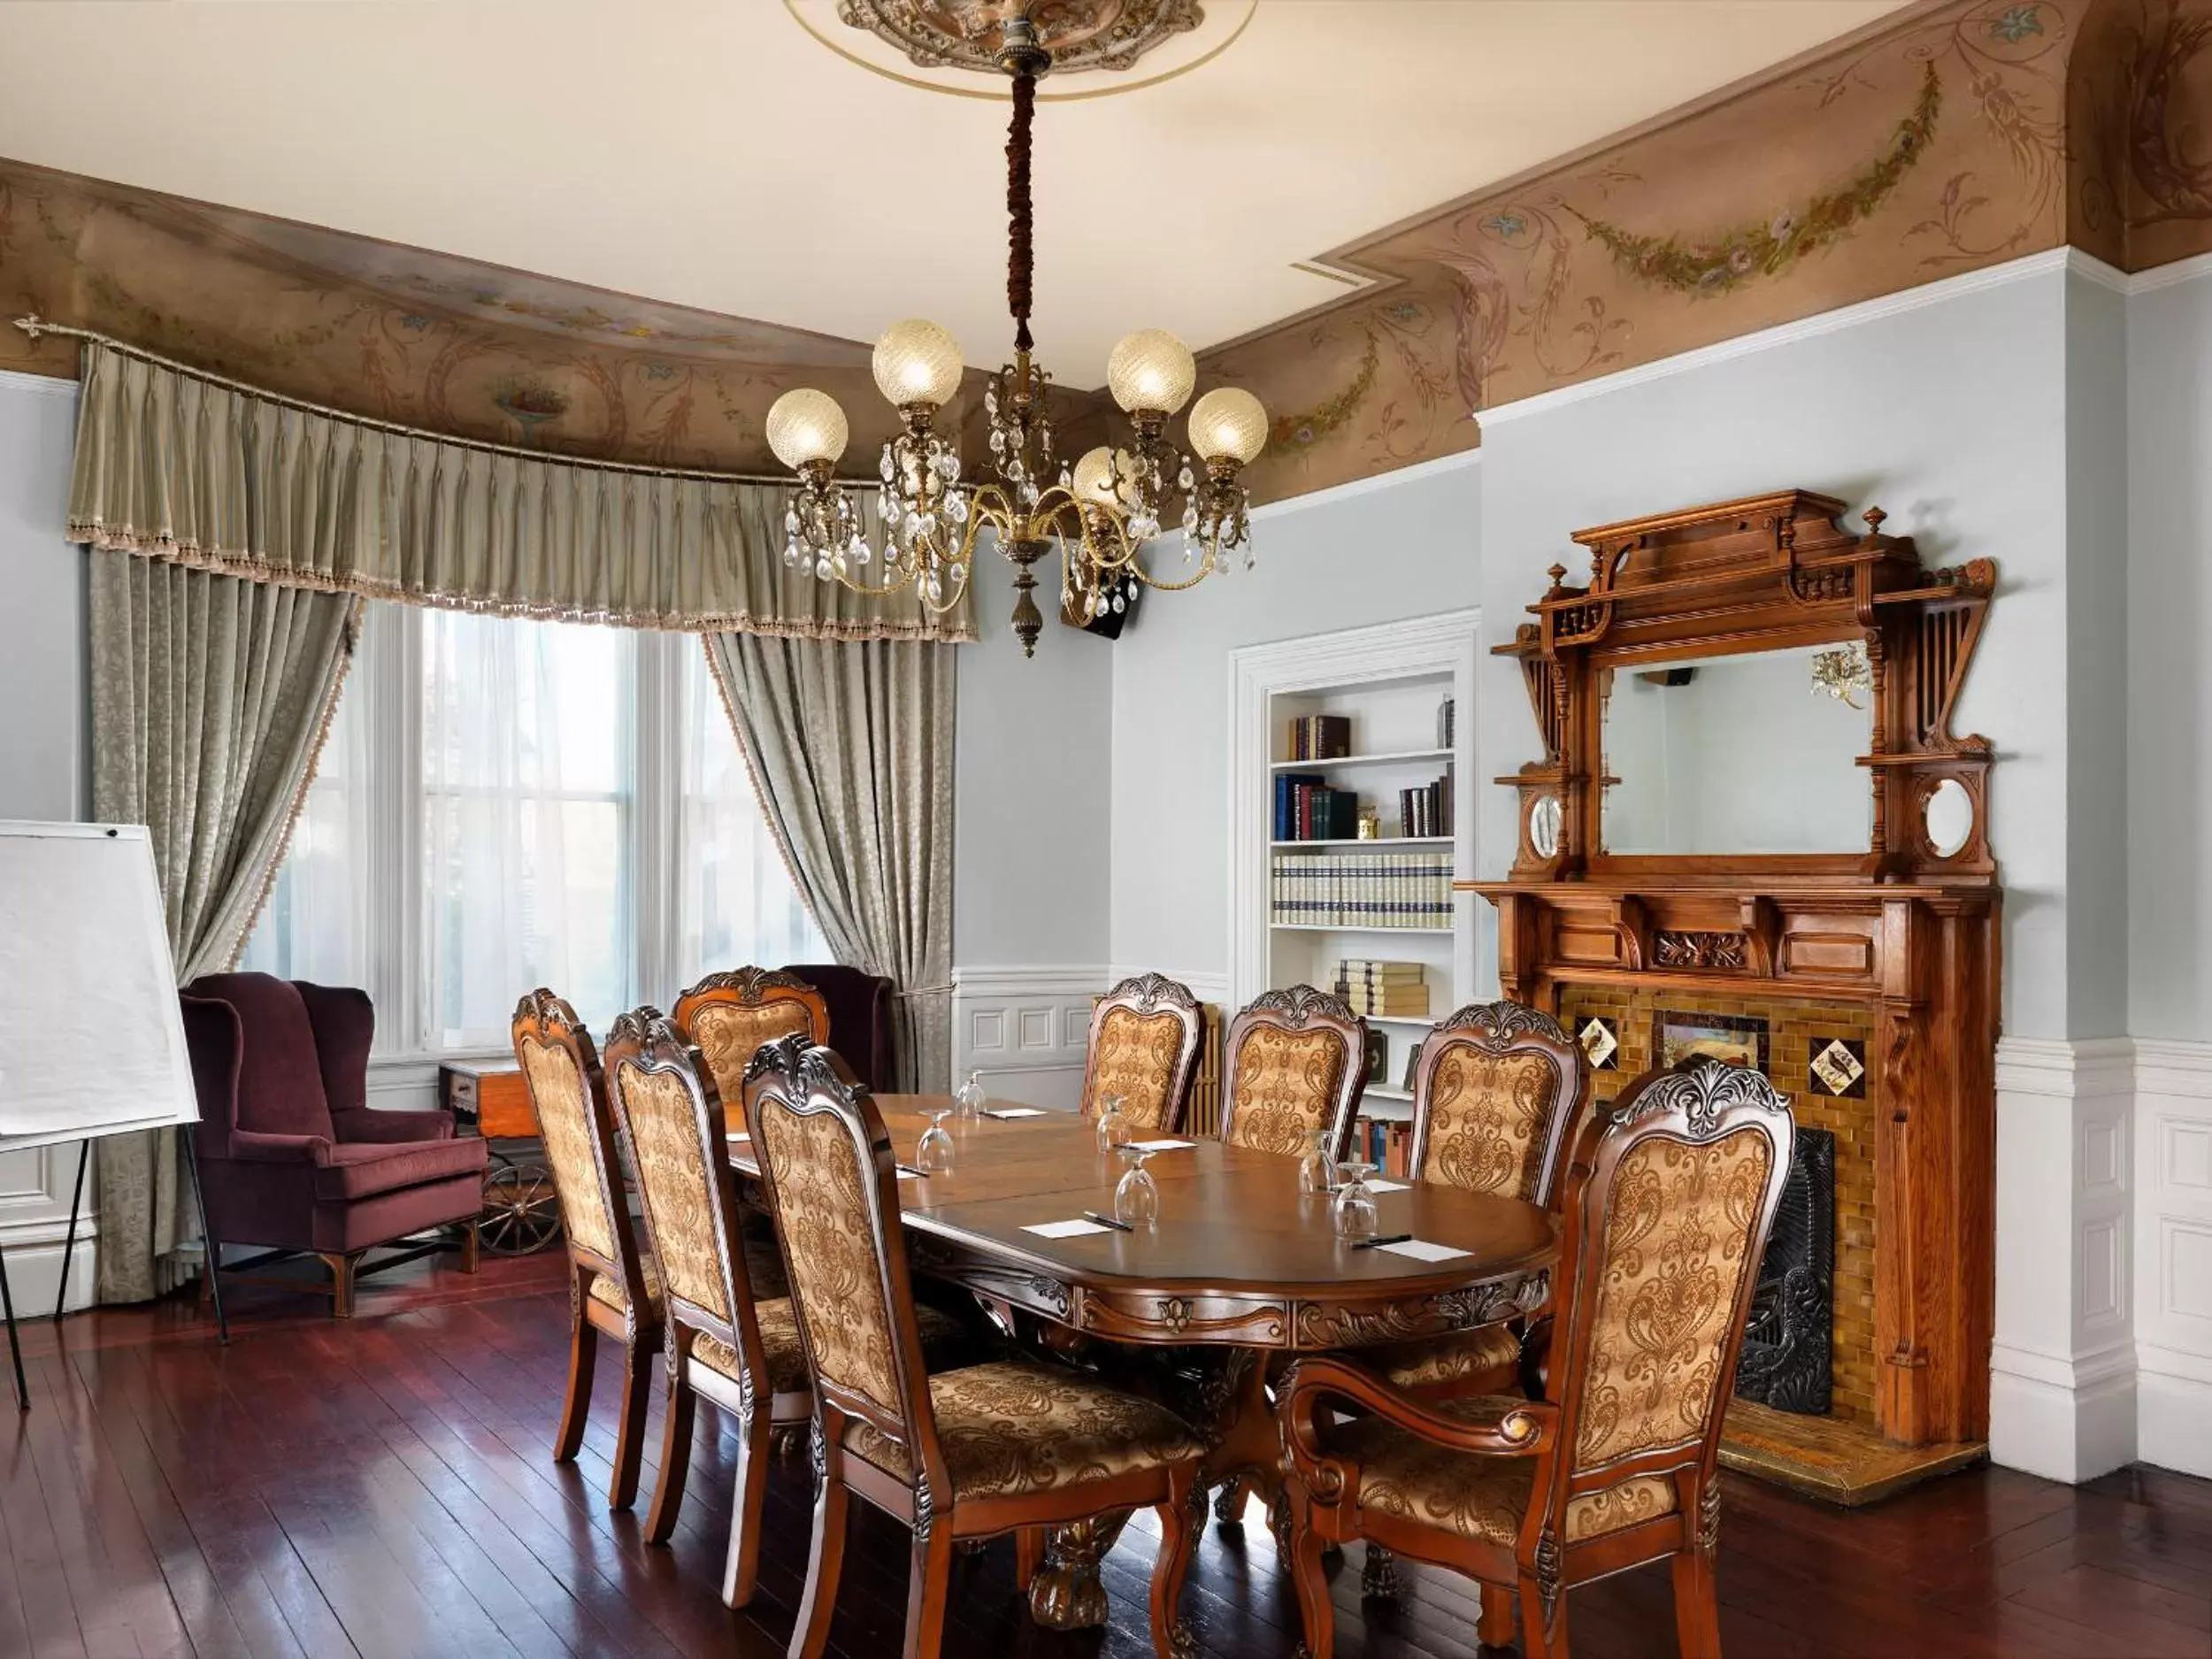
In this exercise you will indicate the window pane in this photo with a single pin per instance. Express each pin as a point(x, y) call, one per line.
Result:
point(735, 900)
point(313, 927)
point(527, 768)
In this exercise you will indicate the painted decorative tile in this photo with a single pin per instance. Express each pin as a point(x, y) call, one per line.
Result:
point(1738, 1039)
point(1837, 1067)
point(1601, 1042)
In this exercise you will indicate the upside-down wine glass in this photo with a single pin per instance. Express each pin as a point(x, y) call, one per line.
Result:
point(1113, 1125)
point(1357, 1215)
point(1316, 1173)
point(933, 1155)
point(967, 1098)
point(1137, 1198)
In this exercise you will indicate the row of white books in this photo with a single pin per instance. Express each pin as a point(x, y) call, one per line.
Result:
point(1361, 889)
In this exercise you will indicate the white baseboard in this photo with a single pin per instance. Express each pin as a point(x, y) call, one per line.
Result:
point(2173, 1410)
point(34, 1274)
point(2065, 1418)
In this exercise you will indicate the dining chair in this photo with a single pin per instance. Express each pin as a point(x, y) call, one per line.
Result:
point(956, 1455)
point(1143, 1047)
point(1295, 1065)
point(737, 1352)
point(730, 1014)
point(613, 1286)
point(1497, 1089)
point(1669, 1201)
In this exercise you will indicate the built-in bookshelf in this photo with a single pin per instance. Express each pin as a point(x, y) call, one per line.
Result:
point(1358, 721)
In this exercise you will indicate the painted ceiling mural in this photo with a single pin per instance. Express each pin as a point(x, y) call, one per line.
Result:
point(1959, 136)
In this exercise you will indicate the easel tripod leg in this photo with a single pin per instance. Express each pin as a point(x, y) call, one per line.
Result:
point(15, 1343)
point(69, 1240)
point(212, 1246)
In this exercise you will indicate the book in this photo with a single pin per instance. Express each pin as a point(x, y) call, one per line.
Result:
point(1321, 737)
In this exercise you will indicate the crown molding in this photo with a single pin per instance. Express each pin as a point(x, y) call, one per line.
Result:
point(1456, 462)
point(54, 384)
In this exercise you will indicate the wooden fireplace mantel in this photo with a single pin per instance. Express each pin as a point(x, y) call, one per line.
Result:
point(1908, 931)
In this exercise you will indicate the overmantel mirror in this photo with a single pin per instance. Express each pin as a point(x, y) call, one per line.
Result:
point(1751, 688)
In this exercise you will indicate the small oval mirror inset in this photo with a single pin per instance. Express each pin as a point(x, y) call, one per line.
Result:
point(1543, 826)
point(1947, 817)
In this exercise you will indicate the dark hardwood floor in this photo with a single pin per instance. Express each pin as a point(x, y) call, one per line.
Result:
point(381, 1486)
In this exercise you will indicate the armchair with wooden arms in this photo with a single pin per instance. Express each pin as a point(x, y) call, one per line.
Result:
point(292, 1157)
point(1668, 1205)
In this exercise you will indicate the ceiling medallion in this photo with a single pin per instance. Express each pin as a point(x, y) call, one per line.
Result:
point(1098, 48)
point(969, 34)
point(1101, 514)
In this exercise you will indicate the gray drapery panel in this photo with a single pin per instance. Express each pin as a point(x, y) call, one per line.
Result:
point(210, 699)
point(188, 468)
point(851, 746)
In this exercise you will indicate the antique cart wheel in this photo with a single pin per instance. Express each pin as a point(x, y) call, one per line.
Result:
point(521, 1214)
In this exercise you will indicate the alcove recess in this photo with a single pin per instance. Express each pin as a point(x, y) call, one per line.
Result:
point(1902, 934)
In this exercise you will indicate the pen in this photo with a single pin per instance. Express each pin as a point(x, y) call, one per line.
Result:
point(1388, 1238)
point(1108, 1221)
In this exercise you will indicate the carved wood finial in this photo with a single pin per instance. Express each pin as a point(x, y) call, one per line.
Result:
point(1874, 517)
point(1558, 574)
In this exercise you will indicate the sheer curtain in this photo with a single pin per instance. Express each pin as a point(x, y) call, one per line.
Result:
point(736, 901)
point(528, 733)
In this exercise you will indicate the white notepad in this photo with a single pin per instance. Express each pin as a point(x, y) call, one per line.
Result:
point(1016, 1111)
point(1386, 1187)
point(910, 1175)
point(1422, 1250)
point(1165, 1145)
point(1074, 1229)
point(739, 1134)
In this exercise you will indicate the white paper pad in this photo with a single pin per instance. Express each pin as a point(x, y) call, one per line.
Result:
point(740, 1135)
point(1016, 1111)
point(1386, 1187)
point(1165, 1145)
point(1065, 1229)
point(910, 1175)
point(1422, 1250)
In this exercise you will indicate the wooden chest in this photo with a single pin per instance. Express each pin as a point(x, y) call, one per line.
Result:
point(489, 1099)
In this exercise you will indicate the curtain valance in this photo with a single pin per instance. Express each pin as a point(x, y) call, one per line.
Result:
point(174, 464)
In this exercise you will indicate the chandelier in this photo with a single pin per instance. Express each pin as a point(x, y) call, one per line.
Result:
point(1100, 513)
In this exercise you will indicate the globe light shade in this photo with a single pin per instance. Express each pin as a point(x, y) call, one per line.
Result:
point(1228, 423)
point(917, 362)
point(804, 426)
point(1094, 478)
point(1151, 369)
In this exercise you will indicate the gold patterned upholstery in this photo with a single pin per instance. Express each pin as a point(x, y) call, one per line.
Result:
point(1488, 1351)
point(1678, 1230)
point(1481, 1498)
point(662, 1114)
point(825, 1204)
point(1015, 1428)
point(1282, 1087)
point(561, 1097)
point(1136, 1059)
point(1489, 1115)
point(729, 1035)
point(779, 1341)
point(610, 1290)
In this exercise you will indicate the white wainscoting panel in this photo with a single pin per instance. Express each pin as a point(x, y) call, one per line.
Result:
point(1026, 1029)
point(2063, 1399)
point(35, 1189)
point(2173, 1253)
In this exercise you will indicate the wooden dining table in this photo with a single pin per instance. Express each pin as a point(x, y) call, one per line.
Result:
point(1240, 1272)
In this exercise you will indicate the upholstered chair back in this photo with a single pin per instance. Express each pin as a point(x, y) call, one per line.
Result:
point(825, 1157)
point(666, 1103)
point(1668, 1202)
point(1496, 1090)
point(1144, 1048)
point(280, 1086)
point(1295, 1062)
point(730, 1014)
point(561, 1069)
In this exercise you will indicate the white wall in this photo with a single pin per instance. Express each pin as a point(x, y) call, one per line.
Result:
point(1405, 547)
point(43, 771)
point(2168, 783)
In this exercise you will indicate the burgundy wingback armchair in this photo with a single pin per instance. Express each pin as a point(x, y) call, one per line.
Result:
point(860, 1024)
point(291, 1154)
